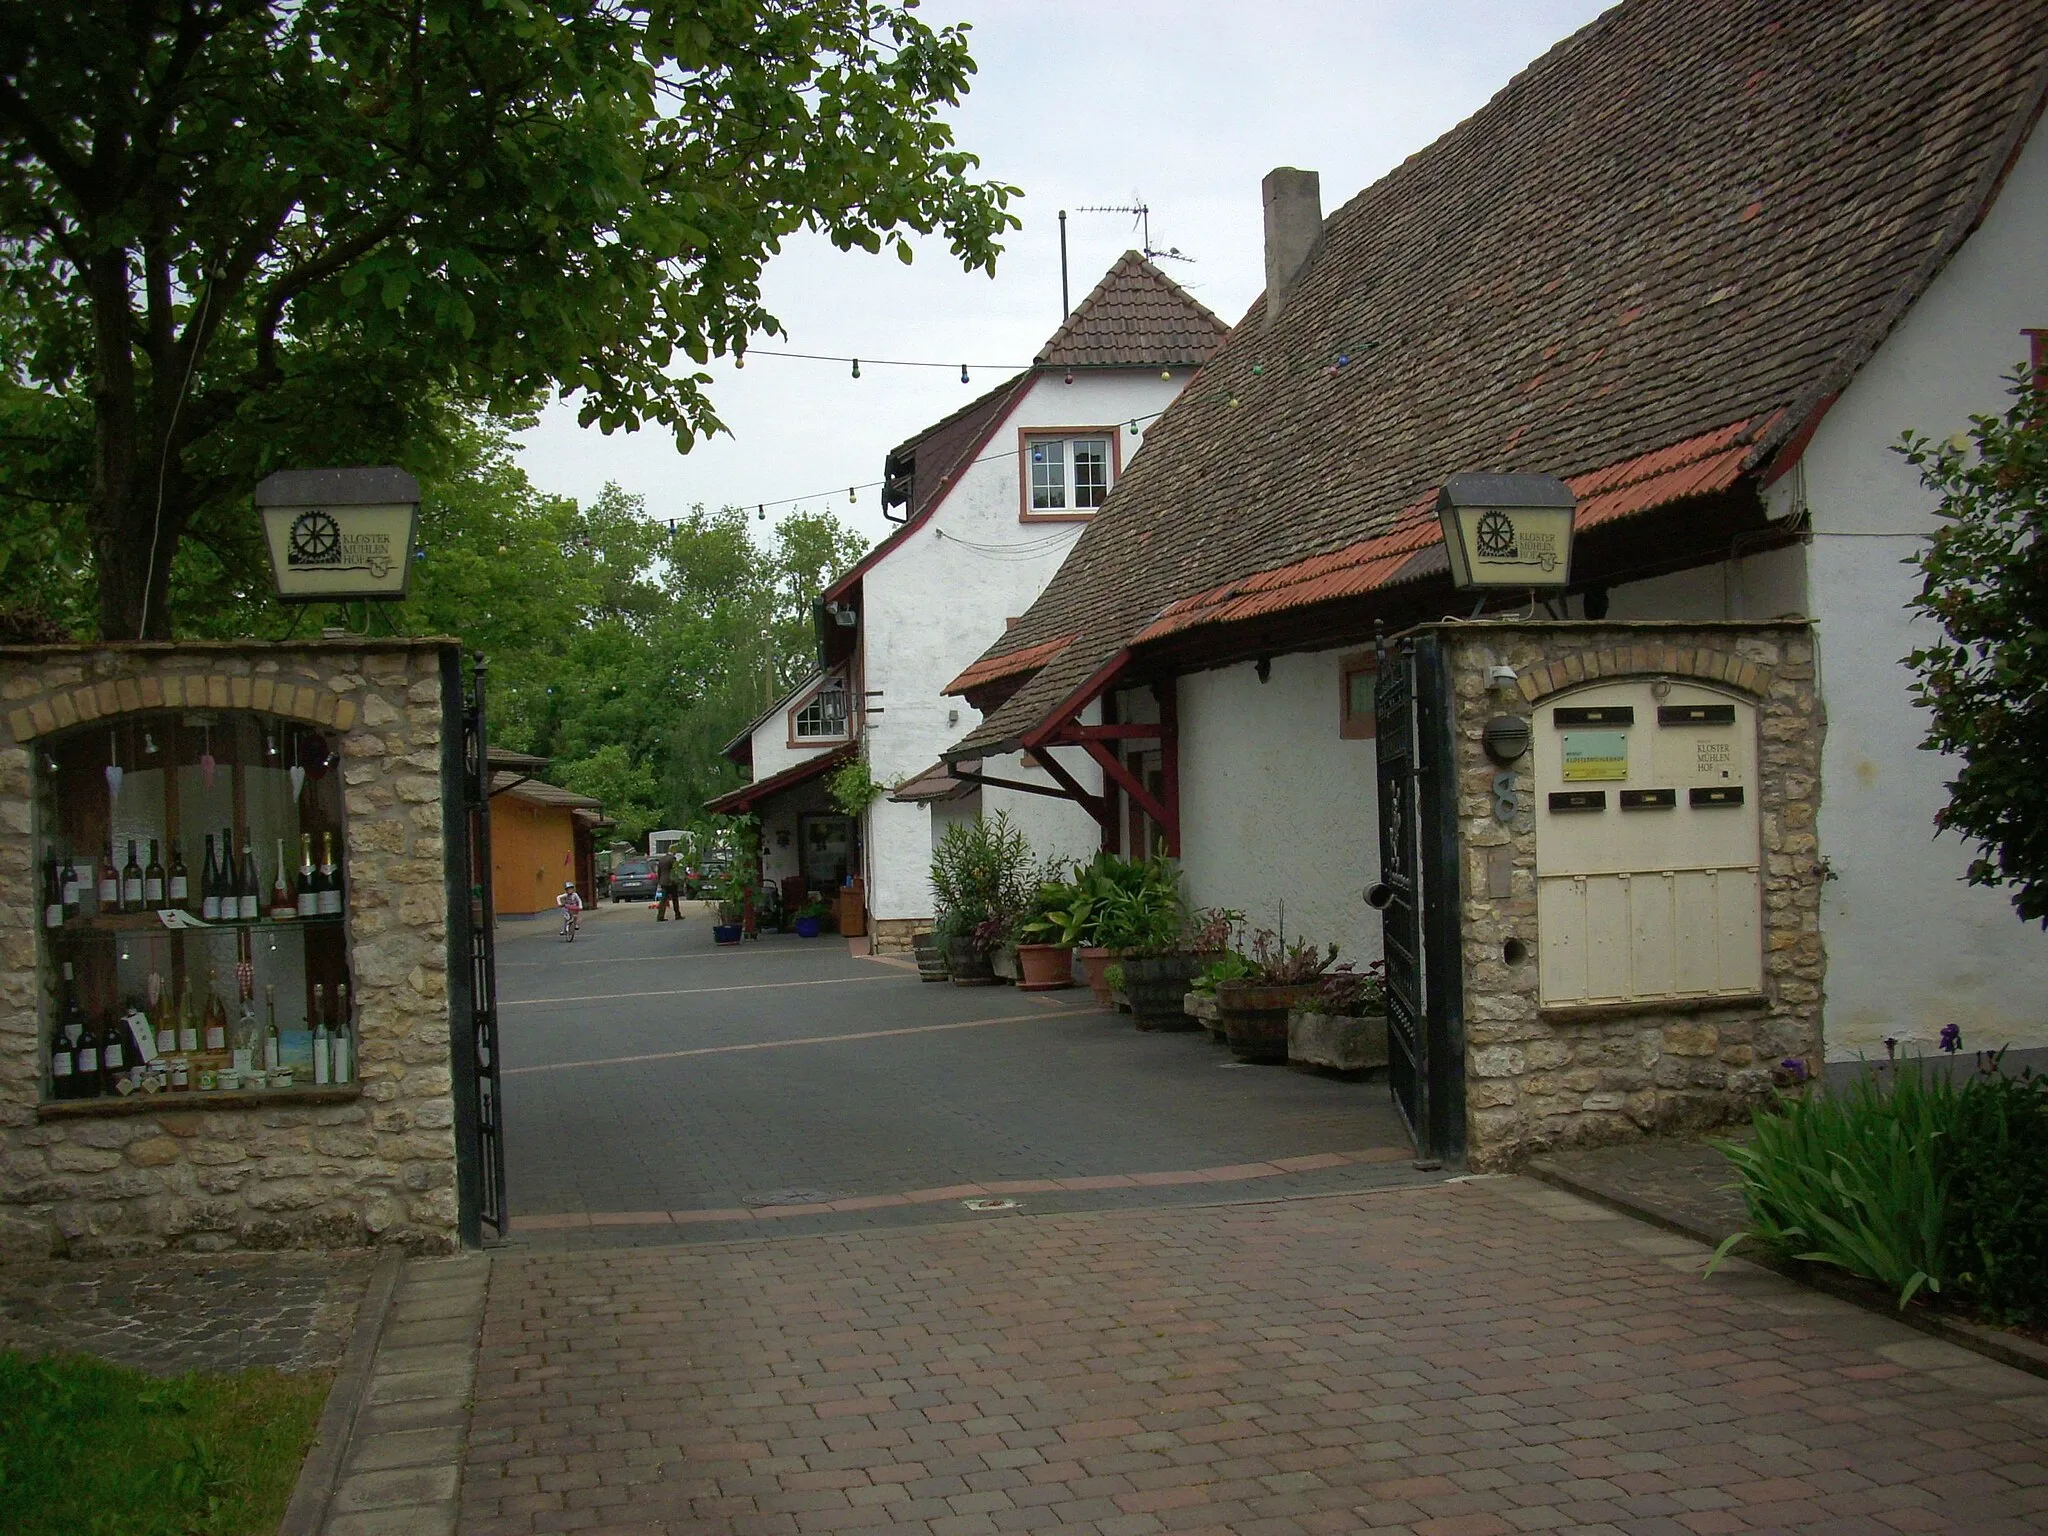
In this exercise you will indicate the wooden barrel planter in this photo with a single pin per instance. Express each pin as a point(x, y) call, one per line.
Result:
point(1155, 986)
point(1044, 967)
point(1255, 1018)
point(970, 965)
point(931, 959)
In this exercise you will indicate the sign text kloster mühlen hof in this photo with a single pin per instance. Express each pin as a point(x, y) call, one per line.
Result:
point(338, 535)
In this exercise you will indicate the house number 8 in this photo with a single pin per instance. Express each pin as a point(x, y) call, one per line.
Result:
point(1503, 797)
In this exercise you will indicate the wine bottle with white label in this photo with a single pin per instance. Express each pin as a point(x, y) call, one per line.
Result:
point(113, 1053)
point(309, 878)
point(281, 904)
point(53, 891)
point(216, 1036)
point(340, 1039)
point(109, 882)
point(131, 881)
point(64, 1042)
point(209, 886)
point(74, 891)
point(250, 886)
point(321, 1063)
point(85, 1060)
point(178, 890)
point(330, 878)
point(153, 880)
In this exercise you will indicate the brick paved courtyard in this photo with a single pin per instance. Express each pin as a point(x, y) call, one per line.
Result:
point(1452, 1360)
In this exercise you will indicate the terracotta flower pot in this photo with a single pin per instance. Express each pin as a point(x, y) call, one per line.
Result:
point(1044, 967)
point(1255, 1018)
point(969, 964)
point(1094, 962)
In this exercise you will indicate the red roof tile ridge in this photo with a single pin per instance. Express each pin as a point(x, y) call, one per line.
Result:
point(1134, 295)
point(1008, 664)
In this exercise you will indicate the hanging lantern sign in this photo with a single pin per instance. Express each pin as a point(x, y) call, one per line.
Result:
point(1507, 530)
point(336, 535)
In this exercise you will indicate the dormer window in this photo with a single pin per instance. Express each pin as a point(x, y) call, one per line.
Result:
point(1067, 472)
point(821, 717)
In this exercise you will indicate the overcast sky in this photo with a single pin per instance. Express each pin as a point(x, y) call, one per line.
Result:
point(1080, 103)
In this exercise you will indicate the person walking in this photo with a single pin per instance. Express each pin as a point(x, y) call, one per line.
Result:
point(668, 878)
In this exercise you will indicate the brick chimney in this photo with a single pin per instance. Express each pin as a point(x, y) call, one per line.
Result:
point(1294, 218)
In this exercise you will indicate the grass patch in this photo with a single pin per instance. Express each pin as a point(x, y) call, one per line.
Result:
point(91, 1449)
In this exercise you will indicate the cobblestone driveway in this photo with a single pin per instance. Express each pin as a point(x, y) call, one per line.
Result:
point(1454, 1360)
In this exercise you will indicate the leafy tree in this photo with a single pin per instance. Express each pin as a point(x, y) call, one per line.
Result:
point(626, 787)
point(237, 235)
point(1984, 579)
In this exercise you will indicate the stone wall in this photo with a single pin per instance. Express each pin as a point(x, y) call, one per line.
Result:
point(379, 1168)
point(892, 935)
point(1535, 1081)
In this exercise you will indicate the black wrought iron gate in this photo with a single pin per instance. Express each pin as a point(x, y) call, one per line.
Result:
point(472, 954)
point(1417, 896)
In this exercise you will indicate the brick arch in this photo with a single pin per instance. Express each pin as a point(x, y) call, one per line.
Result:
point(1593, 665)
point(82, 705)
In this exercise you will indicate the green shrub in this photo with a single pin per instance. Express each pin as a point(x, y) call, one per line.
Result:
point(983, 880)
point(1925, 1184)
point(1853, 1179)
point(1998, 1202)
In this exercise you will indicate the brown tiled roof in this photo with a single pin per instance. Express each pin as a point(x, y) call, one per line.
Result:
point(935, 783)
point(537, 793)
point(1686, 224)
point(1136, 317)
point(739, 802)
point(991, 668)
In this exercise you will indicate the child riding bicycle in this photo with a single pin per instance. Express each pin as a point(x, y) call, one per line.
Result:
point(571, 904)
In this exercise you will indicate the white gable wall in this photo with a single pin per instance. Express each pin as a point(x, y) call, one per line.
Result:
point(1275, 806)
point(1910, 947)
point(942, 597)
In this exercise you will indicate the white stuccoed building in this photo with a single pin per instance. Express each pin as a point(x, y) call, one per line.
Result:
point(989, 501)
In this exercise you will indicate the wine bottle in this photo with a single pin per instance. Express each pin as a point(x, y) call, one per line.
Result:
point(320, 1061)
point(309, 878)
point(73, 888)
point(53, 891)
point(131, 881)
point(273, 1042)
point(188, 1025)
point(85, 1060)
point(281, 904)
point(110, 882)
point(64, 1043)
point(179, 889)
point(209, 886)
point(167, 1023)
point(216, 1015)
point(153, 880)
point(330, 878)
point(251, 885)
point(341, 1038)
point(113, 1052)
point(230, 882)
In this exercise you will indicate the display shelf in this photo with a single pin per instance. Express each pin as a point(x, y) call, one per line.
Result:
point(149, 923)
point(195, 1101)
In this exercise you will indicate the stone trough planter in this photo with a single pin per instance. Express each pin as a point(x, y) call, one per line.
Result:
point(1202, 1008)
point(1336, 1043)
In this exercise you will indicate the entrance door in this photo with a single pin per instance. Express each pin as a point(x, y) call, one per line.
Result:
point(824, 850)
point(1417, 896)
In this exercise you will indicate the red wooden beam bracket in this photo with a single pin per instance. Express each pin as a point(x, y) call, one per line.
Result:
point(1146, 801)
point(1096, 806)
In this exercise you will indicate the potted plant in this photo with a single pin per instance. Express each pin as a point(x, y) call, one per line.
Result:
point(1342, 1025)
point(1200, 1002)
point(1254, 1010)
point(982, 877)
point(810, 919)
point(1119, 900)
point(733, 894)
point(1177, 947)
point(1059, 921)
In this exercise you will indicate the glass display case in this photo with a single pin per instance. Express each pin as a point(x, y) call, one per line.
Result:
point(193, 912)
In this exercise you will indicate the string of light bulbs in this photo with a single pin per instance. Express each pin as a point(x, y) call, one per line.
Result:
point(853, 491)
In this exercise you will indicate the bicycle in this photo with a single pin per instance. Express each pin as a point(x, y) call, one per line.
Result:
point(569, 925)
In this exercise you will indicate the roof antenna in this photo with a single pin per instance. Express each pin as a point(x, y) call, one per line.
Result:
point(1066, 308)
point(1141, 218)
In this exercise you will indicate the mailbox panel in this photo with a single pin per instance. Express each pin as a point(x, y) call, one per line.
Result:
point(1648, 861)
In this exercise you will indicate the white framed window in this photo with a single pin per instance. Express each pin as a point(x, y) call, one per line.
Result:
point(822, 717)
point(1068, 475)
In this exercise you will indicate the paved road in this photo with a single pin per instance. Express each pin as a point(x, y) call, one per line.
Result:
point(1461, 1359)
point(661, 1086)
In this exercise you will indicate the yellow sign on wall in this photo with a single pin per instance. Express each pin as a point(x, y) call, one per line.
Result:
point(1595, 756)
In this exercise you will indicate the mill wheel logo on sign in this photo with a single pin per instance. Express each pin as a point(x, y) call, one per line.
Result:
point(337, 535)
point(1507, 530)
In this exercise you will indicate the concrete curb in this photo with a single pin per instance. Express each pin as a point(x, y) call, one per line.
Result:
point(321, 1470)
point(2015, 1350)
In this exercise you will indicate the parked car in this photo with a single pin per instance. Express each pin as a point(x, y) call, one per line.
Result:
point(633, 880)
